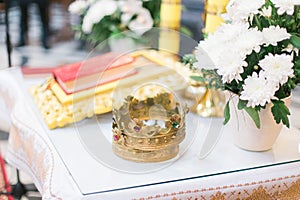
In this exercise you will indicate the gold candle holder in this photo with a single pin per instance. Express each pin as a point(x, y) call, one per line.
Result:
point(210, 105)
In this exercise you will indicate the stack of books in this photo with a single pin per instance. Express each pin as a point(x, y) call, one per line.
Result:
point(82, 89)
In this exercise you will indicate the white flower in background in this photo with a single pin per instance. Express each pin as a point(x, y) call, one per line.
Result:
point(108, 7)
point(231, 66)
point(78, 7)
point(258, 91)
point(89, 2)
point(285, 6)
point(240, 10)
point(96, 12)
point(274, 34)
point(266, 12)
point(125, 18)
point(87, 25)
point(142, 23)
point(277, 68)
point(129, 8)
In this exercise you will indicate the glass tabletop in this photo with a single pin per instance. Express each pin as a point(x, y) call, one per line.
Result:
point(87, 153)
point(85, 149)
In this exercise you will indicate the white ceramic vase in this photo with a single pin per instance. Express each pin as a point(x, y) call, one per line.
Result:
point(245, 133)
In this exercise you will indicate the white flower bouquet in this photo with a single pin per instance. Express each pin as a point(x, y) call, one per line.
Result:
point(101, 19)
point(255, 55)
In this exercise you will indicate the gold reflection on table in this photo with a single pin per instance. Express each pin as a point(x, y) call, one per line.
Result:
point(210, 105)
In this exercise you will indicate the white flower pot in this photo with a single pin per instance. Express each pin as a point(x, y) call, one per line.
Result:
point(245, 133)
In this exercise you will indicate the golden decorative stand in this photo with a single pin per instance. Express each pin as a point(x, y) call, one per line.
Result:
point(210, 105)
point(213, 101)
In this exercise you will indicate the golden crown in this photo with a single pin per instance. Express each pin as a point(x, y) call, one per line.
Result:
point(148, 130)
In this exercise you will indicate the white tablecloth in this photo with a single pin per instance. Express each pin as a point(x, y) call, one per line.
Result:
point(31, 150)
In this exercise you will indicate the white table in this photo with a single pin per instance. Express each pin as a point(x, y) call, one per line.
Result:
point(76, 162)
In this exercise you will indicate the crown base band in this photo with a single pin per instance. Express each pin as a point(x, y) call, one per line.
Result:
point(138, 155)
point(154, 143)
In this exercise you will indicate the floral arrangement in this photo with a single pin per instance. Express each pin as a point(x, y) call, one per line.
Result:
point(101, 19)
point(255, 55)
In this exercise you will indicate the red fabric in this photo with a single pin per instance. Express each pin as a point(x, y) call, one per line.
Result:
point(5, 186)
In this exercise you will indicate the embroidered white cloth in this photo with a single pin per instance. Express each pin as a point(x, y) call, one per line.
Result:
point(63, 165)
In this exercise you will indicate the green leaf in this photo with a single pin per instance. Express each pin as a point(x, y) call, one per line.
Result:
point(242, 104)
point(186, 31)
point(297, 64)
point(253, 113)
point(198, 78)
point(226, 113)
point(280, 112)
point(295, 40)
point(189, 59)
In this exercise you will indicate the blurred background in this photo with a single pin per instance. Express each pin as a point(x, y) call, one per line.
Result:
point(62, 44)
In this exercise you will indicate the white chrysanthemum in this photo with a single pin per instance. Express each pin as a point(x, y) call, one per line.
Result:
point(142, 23)
point(230, 66)
point(238, 36)
point(229, 32)
point(228, 57)
point(266, 12)
point(275, 34)
point(285, 6)
point(208, 52)
point(277, 68)
point(226, 35)
point(249, 40)
point(96, 12)
point(258, 91)
point(78, 7)
point(240, 10)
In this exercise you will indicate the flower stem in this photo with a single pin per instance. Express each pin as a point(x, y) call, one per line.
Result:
point(257, 22)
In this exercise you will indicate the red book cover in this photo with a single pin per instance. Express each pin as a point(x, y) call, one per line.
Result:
point(95, 71)
point(37, 70)
point(97, 64)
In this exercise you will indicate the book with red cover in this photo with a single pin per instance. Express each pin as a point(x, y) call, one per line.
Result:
point(94, 71)
point(37, 70)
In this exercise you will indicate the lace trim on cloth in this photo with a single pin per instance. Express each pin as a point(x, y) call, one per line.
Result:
point(279, 188)
point(35, 153)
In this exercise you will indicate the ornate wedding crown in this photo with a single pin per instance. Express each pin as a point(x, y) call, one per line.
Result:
point(148, 130)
